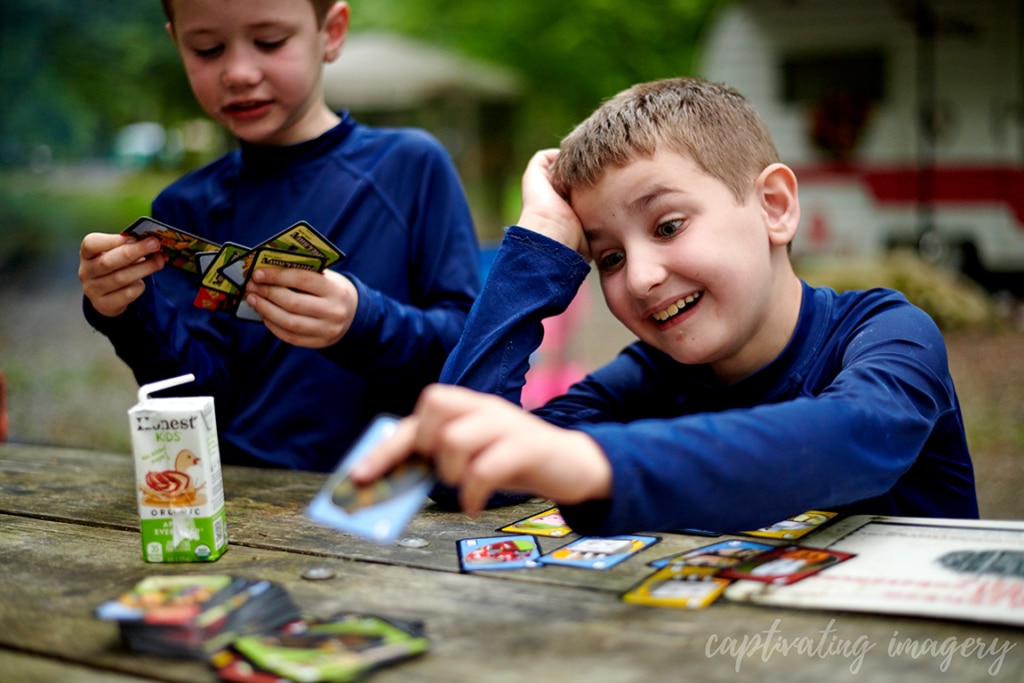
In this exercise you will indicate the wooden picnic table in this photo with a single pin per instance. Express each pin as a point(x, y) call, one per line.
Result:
point(70, 540)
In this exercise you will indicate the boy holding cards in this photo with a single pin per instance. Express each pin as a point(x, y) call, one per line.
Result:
point(330, 349)
point(750, 395)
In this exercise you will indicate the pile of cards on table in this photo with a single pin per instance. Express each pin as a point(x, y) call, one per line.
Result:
point(196, 615)
point(250, 631)
point(224, 269)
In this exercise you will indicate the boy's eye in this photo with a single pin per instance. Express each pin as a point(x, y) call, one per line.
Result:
point(669, 228)
point(269, 45)
point(207, 52)
point(609, 261)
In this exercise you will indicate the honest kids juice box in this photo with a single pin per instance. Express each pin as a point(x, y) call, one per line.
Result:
point(178, 479)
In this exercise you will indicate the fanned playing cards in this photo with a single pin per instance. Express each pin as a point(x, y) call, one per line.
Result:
point(224, 269)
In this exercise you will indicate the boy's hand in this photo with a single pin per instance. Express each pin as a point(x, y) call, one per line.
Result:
point(111, 268)
point(302, 307)
point(544, 210)
point(482, 443)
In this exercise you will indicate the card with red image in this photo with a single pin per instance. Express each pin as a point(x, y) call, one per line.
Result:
point(498, 552)
point(785, 565)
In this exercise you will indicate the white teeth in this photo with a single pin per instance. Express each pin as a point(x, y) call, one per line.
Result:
point(674, 309)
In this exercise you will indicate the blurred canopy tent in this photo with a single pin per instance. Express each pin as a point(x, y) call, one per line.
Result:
point(385, 71)
point(390, 80)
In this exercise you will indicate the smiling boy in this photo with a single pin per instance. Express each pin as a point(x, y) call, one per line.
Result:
point(334, 348)
point(750, 395)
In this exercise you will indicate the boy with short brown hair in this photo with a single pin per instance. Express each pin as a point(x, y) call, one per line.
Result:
point(333, 348)
point(750, 396)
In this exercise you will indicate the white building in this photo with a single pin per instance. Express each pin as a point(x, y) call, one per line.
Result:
point(904, 120)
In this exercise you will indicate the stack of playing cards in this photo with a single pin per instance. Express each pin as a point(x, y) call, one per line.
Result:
point(341, 648)
point(196, 615)
point(225, 269)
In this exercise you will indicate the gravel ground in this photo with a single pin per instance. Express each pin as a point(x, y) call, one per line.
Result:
point(67, 387)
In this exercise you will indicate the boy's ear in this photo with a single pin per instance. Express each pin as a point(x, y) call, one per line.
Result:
point(336, 28)
point(780, 205)
point(169, 27)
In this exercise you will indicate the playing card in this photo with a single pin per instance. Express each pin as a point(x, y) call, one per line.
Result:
point(164, 599)
point(178, 246)
point(794, 527)
point(785, 565)
point(233, 667)
point(697, 532)
point(498, 552)
point(272, 258)
point(598, 552)
point(546, 523)
point(341, 648)
point(300, 238)
point(380, 510)
point(204, 259)
point(213, 278)
point(212, 300)
point(678, 585)
point(718, 555)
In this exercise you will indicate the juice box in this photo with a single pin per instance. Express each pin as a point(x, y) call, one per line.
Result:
point(178, 477)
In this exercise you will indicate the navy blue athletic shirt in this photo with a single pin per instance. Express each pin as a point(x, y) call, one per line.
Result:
point(391, 200)
point(857, 415)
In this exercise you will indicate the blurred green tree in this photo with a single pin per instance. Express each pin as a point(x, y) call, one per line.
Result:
point(72, 73)
point(571, 55)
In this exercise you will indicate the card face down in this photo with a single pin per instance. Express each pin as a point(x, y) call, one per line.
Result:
point(380, 510)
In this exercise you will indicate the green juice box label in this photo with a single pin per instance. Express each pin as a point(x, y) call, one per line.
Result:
point(178, 477)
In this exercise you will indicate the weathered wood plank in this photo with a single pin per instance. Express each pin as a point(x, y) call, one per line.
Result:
point(16, 667)
point(266, 509)
point(54, 574)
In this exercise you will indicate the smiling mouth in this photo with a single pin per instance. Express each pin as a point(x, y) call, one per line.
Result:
point(678, 307)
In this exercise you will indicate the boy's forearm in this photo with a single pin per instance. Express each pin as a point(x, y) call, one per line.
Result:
point(532, 279)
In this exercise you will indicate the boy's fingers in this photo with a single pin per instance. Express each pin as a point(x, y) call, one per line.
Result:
point(121, 252)
point(393, 450)
point(309, 281)
point(95, 243)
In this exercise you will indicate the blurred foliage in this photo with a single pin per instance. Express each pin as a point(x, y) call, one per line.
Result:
point(75, 72)
point(571, 56)
point(953, 301)
point(42, 214)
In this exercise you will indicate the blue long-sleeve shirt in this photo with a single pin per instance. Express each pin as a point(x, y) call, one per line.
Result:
point(391, 200)
point(857, 415)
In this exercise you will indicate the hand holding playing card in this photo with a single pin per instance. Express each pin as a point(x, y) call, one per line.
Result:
point(111, 269)
point(301, 307)
point(376, 510)
point(483, 444)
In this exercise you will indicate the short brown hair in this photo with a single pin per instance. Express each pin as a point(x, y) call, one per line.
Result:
point(320, 7)
point(710, 123)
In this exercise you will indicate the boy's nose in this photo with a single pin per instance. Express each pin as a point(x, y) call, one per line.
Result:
point(240, 70)
point(643, 275)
